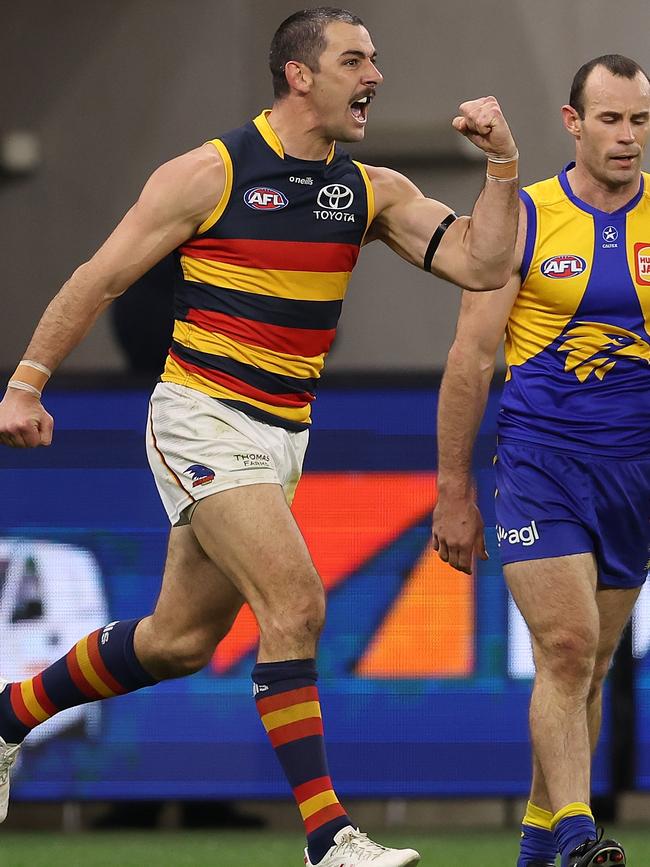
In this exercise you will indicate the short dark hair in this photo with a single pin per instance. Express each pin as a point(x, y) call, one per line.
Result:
point(301, 37)
point(617, 64)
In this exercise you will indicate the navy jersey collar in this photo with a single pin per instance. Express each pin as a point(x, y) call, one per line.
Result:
point(596, 212)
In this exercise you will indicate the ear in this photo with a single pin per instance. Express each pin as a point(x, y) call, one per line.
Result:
point(572, 121)
point(299, 76)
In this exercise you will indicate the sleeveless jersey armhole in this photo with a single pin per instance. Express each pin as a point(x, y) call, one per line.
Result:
point(370, 196)
point(227, 190)
point(531, 233)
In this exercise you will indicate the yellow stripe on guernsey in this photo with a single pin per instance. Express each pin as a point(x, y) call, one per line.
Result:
point(638, 251)
point(86, 666)
point(227, 189)
point(286, 715)
point(295, 285)
point(370, 194)
point(175, 373)
point(214, 343)
point(31, 702)
point(318, 802)
point(271, 137)
point(544, 305)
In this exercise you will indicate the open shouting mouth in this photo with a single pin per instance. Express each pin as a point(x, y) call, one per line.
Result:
point(359, 109)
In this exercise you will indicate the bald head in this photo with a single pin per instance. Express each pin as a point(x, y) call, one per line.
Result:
point(614, 64)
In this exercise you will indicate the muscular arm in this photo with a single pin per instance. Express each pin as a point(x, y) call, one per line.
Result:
point(176, 199)
point(458, 527)
point(475, 252)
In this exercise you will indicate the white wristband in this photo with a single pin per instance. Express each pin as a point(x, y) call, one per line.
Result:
point(493, 158)
point(37, 366)
point(24, 386)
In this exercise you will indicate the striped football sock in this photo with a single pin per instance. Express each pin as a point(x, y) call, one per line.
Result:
point(537, 845)
point(101, 665)
point(288, 704)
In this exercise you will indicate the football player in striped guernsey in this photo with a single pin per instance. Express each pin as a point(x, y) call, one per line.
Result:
point(266, 222)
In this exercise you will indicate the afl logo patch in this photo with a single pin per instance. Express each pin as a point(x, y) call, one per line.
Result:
point(561, 267)
point(265, 199)
point(642, 263)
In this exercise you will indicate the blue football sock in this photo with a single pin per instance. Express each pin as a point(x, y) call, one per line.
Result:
point(571, 831)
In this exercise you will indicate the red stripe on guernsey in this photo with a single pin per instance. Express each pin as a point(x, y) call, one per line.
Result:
point(313, 787)
point(304, 728)
point(275, 255)
point(300, 399)
point(19, 707)
point(293, 341)
point(98, 664)
point(77, 677)
point(286, 699)
point(323, 816)
point(42, 697)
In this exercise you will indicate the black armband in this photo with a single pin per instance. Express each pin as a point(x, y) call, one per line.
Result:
point(436, 238)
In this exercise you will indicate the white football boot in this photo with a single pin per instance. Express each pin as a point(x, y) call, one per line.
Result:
point(8, 755)
point(352, 848)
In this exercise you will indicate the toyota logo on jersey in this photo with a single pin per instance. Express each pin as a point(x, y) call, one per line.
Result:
point(561, 267)
point(265, 199)
point(338, 197)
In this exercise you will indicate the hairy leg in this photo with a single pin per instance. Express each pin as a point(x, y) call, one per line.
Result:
point(614, 610)
point(253, 537)
point(557, 599)
point(195, 610)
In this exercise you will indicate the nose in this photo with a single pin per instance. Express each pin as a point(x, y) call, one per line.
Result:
point(372, 75)
point(626, 135)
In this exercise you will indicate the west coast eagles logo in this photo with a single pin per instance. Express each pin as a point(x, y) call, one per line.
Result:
point(595, 347)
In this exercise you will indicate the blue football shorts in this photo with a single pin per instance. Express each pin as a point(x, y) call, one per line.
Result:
point(550, 503)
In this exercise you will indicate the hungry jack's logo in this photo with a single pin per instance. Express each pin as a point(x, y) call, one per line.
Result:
point(595, 347)
point(642, 263)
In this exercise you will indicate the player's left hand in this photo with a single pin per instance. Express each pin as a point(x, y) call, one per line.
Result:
point(458, 533)
point(482, 122)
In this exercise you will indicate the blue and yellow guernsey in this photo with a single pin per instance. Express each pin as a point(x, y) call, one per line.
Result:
point(578, 339)
point(261, 284)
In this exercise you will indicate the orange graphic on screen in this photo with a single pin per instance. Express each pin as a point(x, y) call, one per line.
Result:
point(429, 631)
point(347, 518)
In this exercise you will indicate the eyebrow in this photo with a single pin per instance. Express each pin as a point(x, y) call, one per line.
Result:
point(617, 114)
point(356, 53)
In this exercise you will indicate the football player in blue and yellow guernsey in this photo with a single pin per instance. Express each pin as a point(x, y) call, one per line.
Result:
point(266, 222)
point(573, 458)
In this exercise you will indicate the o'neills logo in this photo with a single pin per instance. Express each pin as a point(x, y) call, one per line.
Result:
point(525, 536)
point(642, 263)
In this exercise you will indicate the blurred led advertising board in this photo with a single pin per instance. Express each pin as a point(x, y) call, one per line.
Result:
point(424, 672)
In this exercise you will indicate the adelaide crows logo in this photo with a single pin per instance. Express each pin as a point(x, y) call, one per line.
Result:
point(595, 347)
point(201, 475)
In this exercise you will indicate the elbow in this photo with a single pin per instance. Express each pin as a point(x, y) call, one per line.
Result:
point(480, 361)
point(488, 278)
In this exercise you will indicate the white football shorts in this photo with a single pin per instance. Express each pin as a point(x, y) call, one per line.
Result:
point(198, 446)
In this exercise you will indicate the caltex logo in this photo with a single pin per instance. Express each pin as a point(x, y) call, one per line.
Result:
point(610, 233)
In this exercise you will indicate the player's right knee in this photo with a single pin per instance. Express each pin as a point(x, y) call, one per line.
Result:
point(304, 618)
point(568, 655)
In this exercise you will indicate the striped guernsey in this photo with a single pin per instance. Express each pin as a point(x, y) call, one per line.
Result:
point(260, 285)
